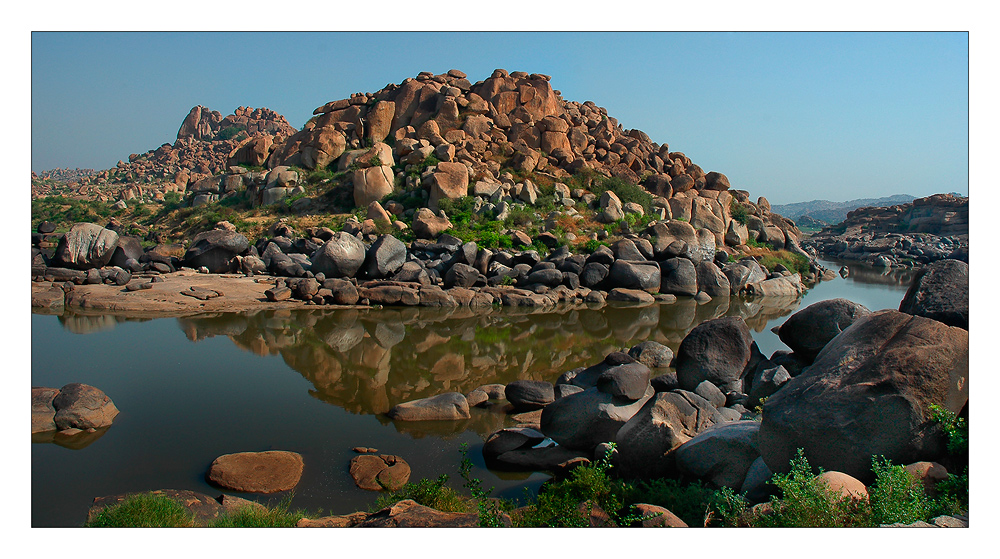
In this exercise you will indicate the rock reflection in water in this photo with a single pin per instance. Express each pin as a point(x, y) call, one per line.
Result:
point(368, 360)
point(863, 273)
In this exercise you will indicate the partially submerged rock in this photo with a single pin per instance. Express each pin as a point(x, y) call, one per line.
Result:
point(257, 472)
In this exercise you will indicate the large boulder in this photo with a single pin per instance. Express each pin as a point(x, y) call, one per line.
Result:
point(427, 225)
point(635, 275)
point(86, 245)
point(385, 257)
point(450, 180)
point(718, 351)
point(340, 257)
point(529, 394)
point(940, 291)
point(678, 276)
point(711, 280)
point(583, 420)
point(646, 442)
point(215, 250)
point(371, 184)
point(81, 406)
point(721, 454)
point(257, 472)
point(868, 393)
point(810, 329)
point(447, 406)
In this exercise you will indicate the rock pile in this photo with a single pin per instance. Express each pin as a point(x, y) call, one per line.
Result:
point(71, 409)
point(929, 229)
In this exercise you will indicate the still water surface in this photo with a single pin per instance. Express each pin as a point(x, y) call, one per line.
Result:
point(318, 382)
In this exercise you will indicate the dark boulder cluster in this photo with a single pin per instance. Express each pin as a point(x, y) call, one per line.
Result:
point(855, 384)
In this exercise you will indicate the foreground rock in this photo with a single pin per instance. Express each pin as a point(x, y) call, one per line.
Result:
point(868, 394)
point(203, 508)
point(404, 514)
point(718, 351)
point(257, 472)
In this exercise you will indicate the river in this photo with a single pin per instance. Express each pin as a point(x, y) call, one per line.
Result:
point(318, 382)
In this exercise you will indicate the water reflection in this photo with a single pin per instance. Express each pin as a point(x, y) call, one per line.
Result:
point(368, 360)
point(863, 273)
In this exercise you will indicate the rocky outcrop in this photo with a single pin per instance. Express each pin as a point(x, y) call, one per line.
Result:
point(924, 231)
point(404, 514)
point(202, 123)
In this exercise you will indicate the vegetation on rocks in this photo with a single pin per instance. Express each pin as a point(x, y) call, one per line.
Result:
point(143, 510)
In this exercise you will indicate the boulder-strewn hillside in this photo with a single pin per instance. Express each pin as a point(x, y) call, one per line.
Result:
point(928, 229)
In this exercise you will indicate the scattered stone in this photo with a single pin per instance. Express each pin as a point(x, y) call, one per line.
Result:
point(257, 472)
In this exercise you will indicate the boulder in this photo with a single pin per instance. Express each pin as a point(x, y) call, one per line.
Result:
point(721, 454)
point(81, 406)
point(448, 406)
point(623, 295)
point(810, 329)
point(460, 275)
point(656, 517)
point(376, 473)
point(450, 180)
point(716, 350)
point(868, 393)
point(711, 280)
point(215, 249)
point(527, 395)
point(678, 276)
point(633, 275)
point(844, 486)
point(270, 471)
point(427, 225)
point(940, 291)
point(765, 382)
point(340, 257)
point(629, 381)
point(585, 419)
point(43, 413)
point(385, 257)
point(652, 354)
point(512, 438)
point(646, 442)
point(86, 245)
point(371, 184)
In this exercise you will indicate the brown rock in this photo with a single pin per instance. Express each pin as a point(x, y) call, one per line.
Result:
point(372, 184)
point(82, 406)
point(451, 180)
point(377, 473)
point(843, 485)
point(659, 517)
point(426, 225)
point(257, 472)
point(929, 474)
point(42, 412)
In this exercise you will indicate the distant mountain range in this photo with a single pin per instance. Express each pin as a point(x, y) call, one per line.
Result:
point(835, 212)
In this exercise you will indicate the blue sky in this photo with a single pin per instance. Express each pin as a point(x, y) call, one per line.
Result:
point(790, 116)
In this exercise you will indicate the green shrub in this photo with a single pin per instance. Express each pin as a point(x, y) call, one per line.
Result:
point(593, 244)
point(954, 427)
point(430, 493)
point(230, 132)
point(738, 212)
point(626, 192)
point(896, 496)
point(143, 510)
point(691, 502)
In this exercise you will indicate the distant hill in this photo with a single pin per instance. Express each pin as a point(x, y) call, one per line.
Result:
point(835, 212)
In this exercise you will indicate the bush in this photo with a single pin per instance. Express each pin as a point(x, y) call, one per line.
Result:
point(430, 493)
point(954, 427)
point(691, 502)
point(626, 192)
point(143, 510)
point(738, 212)
point(230, 132)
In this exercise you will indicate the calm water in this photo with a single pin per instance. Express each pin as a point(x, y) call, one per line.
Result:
point(318, 382)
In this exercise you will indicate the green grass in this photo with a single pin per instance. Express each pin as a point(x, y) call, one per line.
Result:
point(795, 263)
point(430, 493)
point(143, 510)
point(261, 517)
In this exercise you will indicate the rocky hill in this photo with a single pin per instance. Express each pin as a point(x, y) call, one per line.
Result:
point(832, 213)
point(922, 231)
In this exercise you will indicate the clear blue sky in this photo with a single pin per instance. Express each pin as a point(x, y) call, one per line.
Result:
point(790, 116)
